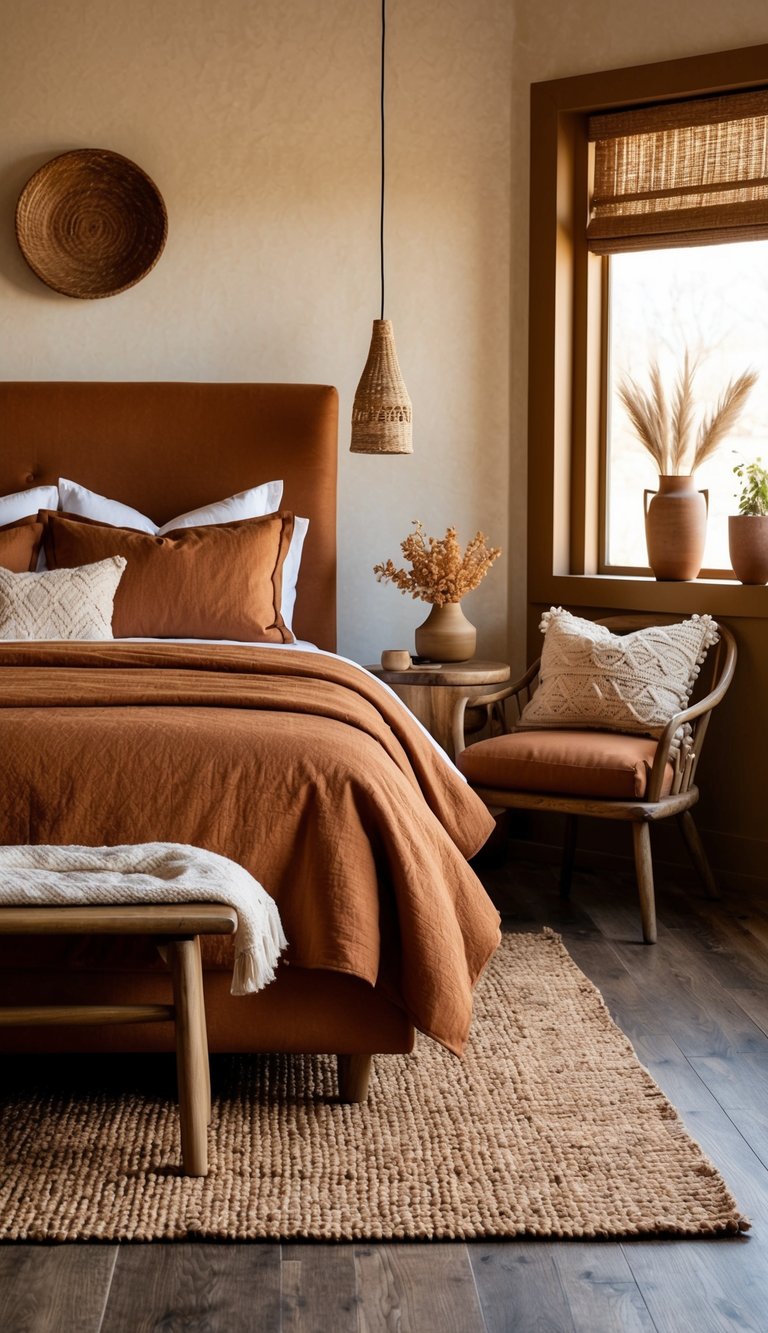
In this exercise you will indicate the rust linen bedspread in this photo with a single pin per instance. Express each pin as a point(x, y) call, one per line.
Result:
point(295, 764)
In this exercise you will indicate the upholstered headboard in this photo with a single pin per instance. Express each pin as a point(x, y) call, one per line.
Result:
point(167, 448)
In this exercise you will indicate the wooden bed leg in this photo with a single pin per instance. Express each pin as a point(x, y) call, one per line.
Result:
point(353, 1074)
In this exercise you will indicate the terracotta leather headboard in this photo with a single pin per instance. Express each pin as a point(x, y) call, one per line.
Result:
point(166, 448)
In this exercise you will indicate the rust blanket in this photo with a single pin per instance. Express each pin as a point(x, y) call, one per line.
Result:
point(297, 765)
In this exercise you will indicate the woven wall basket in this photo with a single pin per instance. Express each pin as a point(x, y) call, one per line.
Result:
point(90, 223)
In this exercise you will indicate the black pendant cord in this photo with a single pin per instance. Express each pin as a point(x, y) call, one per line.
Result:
point(381, 215)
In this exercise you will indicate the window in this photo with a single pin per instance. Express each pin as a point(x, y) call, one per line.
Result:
point(713, 301)
point(636, 251)
point(679, 204)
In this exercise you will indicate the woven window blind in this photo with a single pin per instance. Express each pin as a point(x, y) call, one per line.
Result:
point(680, 173)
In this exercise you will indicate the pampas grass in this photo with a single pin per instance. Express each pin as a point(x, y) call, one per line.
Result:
point(665, 427)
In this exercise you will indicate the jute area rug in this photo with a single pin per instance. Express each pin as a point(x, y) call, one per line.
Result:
point(548, 1127)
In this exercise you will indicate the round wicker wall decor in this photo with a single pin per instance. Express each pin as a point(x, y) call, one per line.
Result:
point(91, 223)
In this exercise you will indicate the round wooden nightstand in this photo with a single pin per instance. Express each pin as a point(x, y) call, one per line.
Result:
point(431, 691)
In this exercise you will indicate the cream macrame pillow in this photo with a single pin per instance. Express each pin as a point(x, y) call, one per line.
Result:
point(616, 682)
point(60, 603)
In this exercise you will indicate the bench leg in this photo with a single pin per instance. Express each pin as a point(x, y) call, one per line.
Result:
point(203, 1035)
point(192, 1067)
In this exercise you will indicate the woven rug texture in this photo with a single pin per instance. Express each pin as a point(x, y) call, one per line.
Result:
point(549, 1126)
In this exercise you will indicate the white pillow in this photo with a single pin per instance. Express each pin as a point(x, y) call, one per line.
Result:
point(291, 570)
point(61, 603)
point(633, 682)
point(255, 503)
point(22, 504)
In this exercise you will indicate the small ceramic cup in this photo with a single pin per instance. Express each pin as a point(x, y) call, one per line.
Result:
point(396, 659)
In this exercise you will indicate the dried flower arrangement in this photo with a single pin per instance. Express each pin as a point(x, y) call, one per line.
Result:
point(665, 428)
point(439, 572)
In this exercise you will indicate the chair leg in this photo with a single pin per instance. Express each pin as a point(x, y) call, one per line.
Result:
point(698, 855)
point(569, 851)
point(641, 836)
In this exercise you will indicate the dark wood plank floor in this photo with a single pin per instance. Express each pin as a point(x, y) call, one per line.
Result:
point(696, 1009)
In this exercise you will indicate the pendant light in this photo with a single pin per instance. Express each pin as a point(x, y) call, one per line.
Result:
point(381, 411)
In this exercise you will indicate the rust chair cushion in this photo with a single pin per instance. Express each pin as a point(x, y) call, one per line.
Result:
point(569, 763)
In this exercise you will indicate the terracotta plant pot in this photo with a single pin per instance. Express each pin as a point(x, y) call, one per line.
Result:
point(748, 546)
point(446, 635)
point(676, 527)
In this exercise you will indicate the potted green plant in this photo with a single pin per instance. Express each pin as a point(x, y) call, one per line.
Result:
point(676, 517)
point(748, 530)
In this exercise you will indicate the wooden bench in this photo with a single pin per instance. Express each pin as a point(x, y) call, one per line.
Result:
point(176, 927)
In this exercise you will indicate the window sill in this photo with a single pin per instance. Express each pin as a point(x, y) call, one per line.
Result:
point(718, 597)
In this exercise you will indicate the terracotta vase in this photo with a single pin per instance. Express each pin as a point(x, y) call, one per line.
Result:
point(676, 527)
point(748, 546)
point(446, 635)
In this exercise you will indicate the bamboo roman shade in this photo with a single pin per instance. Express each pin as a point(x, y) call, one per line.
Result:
point(680, 173)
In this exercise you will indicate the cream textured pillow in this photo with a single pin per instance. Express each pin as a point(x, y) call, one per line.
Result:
point(60, 603)
point(616, 682)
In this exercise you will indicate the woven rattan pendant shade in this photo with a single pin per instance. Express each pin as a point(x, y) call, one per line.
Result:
point(381, 412)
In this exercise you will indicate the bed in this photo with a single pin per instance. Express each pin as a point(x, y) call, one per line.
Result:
point(290, 760)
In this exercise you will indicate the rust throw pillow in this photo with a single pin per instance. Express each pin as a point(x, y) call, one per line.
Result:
point(222, 581)
point(19, 545)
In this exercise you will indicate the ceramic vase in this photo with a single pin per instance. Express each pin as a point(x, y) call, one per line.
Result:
point(676, 527)
point(748, 546)
point(446, 635)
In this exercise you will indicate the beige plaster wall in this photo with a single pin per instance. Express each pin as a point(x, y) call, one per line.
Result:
point(258, 119)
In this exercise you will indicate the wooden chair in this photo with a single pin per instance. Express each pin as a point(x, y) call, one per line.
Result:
point(603, 775)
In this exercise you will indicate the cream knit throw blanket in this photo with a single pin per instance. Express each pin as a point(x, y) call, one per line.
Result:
point(151, 872)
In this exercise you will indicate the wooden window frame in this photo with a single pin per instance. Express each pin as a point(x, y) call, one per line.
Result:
point(568, 340)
